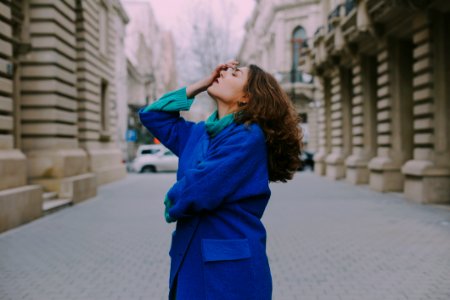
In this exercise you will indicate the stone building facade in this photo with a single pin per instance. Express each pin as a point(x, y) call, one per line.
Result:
point(58, 107)
point(382, 71)
point(275, 35)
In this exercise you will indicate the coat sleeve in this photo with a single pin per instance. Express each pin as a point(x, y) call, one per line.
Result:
point(163, 120)
point(235, 166)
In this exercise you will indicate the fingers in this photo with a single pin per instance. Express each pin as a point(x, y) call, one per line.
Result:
point(232, 63)
point(229, 64)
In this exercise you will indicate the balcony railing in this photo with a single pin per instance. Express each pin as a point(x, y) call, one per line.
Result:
point(335, 13)
point(318, 31)
point(294, 76)
point(339, 10)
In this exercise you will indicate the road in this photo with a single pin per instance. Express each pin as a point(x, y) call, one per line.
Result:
point(327, 240)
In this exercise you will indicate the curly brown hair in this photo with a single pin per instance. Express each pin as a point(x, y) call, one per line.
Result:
point(271, 108)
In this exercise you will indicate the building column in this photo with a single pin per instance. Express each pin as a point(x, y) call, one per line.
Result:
point(427, 174)
point(313, 143)
point(341, 91)
point(49, 103)
point(394, 116)
point(96, 92)
point(323, 94)
point(364, 119)
point(19, 202)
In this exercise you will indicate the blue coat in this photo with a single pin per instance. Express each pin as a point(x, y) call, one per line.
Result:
point(218, 249)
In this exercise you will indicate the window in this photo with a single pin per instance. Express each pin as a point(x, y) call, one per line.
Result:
point(298, 42)
point(104, 110)
point(303, 117)
point(150, 151)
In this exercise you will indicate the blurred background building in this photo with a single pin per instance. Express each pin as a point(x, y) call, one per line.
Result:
point(70, 82)
point(382, 85)
point(376, 110)
point(275, 35)
point(151, 69)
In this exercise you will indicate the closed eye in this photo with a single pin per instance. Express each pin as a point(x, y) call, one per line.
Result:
point(234, 71)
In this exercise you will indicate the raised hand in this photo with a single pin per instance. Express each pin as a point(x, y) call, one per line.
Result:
point(216, 73)
point(202, 85)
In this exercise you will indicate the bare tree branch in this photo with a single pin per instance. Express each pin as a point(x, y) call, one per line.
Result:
point(209, 38)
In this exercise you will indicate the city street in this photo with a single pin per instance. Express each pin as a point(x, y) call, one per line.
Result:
point(326, 240)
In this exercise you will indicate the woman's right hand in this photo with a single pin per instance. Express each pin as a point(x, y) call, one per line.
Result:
point(202, 85)
point(216, 73)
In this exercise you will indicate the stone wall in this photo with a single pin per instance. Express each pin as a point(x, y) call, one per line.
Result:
point(391, 61)
point(57, 104)
point(20, 202)
point(97, 106)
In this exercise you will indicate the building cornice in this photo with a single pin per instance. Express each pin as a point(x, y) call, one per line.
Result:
point(276, 9)
point(121, 11)
point(284, 6)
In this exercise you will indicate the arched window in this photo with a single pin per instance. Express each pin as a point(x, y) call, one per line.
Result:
point(298, 42)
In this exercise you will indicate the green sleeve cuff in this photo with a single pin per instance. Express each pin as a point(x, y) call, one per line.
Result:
point(173, 101)
point(168, 204)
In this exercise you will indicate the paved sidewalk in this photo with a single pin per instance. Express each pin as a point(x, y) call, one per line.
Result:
point(326, 240)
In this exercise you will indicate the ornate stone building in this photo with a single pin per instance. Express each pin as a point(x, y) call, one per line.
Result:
point(276, 33)
point(58, 94)
point(382, 68)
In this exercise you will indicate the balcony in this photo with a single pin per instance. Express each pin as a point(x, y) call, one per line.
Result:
point(294, 76)
point(296, 83)
point(318, 31)
point(349, 6)
point(389, 12)
point(340, 10)
point(333, 16)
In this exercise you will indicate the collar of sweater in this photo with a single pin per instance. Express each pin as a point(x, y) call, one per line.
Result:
point(214, 125)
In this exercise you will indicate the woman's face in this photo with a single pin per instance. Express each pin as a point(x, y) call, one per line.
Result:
point(229, 86)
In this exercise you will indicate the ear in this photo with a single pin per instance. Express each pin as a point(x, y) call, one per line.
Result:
point(243, 101)
point(244, 98)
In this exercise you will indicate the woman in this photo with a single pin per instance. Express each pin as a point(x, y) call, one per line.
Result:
point(218, 249)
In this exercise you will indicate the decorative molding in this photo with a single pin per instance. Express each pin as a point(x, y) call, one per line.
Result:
point(121, 11)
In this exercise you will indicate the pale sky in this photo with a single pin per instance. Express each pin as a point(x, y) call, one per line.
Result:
point(179, 16)
point(173, 14)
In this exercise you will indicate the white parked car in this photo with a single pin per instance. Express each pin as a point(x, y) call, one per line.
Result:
point(156, 161)
point(149, 149)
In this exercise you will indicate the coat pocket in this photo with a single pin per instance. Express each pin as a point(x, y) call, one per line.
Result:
point(228, 269)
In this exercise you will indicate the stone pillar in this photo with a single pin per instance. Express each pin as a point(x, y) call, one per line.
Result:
point(341, 90)
point(394, 116)
point(427, 174)
point(96, 92)
point(313, 115)
point(49, 103)
point(19, 202)
point(363, 120)
point(323, 94)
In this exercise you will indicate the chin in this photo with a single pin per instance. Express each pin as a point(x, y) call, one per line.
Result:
point(211, 91)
